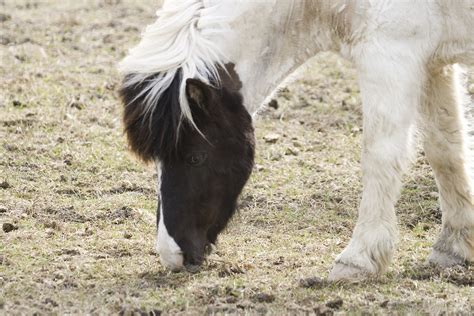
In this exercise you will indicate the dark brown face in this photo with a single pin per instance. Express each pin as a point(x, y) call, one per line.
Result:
point(201, 177)
point(201, 184)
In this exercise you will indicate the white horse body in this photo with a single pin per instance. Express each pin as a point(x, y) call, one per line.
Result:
point(404, 52)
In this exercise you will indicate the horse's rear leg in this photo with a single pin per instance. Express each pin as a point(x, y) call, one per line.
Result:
point(390, 89)
point(447, 151)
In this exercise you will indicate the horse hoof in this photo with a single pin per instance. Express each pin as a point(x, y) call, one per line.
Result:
point(342, 271)
point(445, 260)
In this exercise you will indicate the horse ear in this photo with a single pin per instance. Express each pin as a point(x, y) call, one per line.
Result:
point(198, 92)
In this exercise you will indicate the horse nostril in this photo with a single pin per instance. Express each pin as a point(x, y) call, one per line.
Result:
point(193, 263)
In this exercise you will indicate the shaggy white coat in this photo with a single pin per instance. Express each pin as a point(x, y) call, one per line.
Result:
point(405, 53)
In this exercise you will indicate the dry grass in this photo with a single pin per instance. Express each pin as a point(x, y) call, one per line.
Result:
point(84, 208)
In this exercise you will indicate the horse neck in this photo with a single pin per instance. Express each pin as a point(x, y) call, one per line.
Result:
point(271, 41)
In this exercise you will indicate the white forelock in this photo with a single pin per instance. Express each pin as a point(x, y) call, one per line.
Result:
point(184, 38)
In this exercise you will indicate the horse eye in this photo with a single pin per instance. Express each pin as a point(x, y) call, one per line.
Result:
point(196, 158)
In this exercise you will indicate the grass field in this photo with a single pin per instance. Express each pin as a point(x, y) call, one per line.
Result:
point(77, 210)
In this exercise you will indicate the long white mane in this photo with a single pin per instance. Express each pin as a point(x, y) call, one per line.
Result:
point(182, 39)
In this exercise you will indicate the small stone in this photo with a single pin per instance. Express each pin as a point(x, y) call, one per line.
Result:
point(276, 156)
point(5, 185)
point(355, 129)
point(259, 167)
point(297, 144)
point(351, 102)
point(335, 304)
point(292, 151)
point(8, 227)
point(384, 304)
point(434, 195)
point(271, 138)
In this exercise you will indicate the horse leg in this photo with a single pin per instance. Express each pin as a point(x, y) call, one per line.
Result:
point(390, 89)
point(446, 149)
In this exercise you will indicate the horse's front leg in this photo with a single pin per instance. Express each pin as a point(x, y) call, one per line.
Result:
point(390, 90)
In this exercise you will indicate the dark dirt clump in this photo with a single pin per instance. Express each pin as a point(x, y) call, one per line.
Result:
point(323, 311)
point(4, 185)
point(130, 187)
point(8, 227)
point(459, 275)
point(64, 214)
point(263, 297)
point(5, 17)
point(335, 304)
point(120, 215)
point(273, 104)
point(313, 282)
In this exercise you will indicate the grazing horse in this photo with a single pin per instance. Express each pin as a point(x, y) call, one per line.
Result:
point(205, 66)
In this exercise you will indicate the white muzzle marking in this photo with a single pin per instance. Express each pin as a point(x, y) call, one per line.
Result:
point(170, 253)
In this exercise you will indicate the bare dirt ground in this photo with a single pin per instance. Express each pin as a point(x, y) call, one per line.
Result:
point(77, 210)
